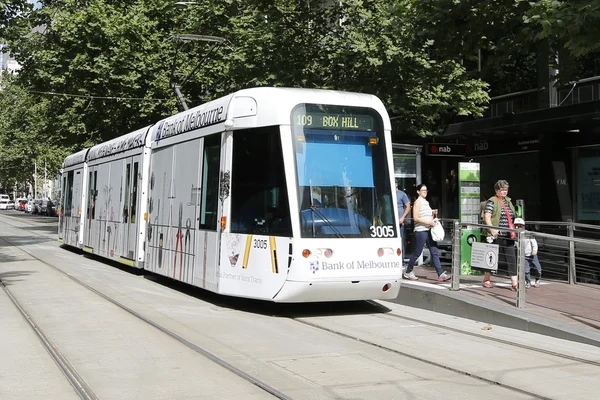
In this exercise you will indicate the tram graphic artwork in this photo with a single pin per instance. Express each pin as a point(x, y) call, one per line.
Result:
point(233, 250)
point(269, 193)
point(102, 228)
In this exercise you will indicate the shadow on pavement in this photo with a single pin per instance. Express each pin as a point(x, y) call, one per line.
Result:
point(286, 310)
point(23, 240)
point(8, 278)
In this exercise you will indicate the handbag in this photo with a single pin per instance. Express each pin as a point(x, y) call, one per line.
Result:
point(513, 235)
point(437, 232)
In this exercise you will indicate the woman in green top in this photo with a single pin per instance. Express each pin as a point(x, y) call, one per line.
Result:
point(499, 211)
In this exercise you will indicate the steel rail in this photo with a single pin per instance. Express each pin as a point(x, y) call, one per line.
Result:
point(73, 377)
point(216, 359)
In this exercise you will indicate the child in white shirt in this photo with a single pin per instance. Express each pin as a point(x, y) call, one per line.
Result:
point(531, 248)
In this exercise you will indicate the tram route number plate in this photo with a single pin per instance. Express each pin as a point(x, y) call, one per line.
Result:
point(484, 255)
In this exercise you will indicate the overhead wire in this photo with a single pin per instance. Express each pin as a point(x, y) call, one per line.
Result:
point(92, 97)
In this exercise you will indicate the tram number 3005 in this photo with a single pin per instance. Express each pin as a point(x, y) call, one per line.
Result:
point(260, 243)
point(382, 231)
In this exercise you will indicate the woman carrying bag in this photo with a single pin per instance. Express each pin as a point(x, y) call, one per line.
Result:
point(423, 217)
point(499, 211)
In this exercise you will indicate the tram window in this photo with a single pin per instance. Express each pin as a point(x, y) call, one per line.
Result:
point(69, 194)
point(126, 201)
point(134, 192)
point(211, 166)
point(259, 199)
point(95, 194)
point(343, 179)
point(90, 195)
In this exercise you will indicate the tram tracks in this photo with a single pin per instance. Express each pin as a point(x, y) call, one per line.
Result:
point(423, 359)
point(71, 374)
point(397, 351)
point(446, 365)
point(494, 339)
point(69, 371)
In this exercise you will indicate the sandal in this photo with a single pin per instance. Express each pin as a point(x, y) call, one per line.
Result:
point(487, 284)
point(514, 288)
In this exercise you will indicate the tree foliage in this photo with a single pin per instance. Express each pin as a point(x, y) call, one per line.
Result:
point(355, 45)
point(114, 63)
point(9, 11)
point(572, 25)
point(24, 141)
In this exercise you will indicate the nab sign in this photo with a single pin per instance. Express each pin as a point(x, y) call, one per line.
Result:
point(445, 149)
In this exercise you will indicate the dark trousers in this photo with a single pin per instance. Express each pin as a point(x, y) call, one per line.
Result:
point(508, 252)
point(420, 239)
point(402, 240)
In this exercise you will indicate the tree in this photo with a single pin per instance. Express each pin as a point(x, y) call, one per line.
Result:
point(24, 140)
point(9, 11)
point(364, 46)
point(503, 37)
point(102, 68)
point(105, 57)
point(574, 25)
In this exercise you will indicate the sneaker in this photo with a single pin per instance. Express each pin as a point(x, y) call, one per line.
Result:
point(537, 283)
point(443, 277)
point(410, 276)
point(528, 285)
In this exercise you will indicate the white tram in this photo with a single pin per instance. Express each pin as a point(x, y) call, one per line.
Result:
point(269, 193)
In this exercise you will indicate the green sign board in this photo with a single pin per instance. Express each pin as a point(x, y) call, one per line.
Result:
point(469, 212)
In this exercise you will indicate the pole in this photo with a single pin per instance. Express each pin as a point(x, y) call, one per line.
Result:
point(35, 180)
point(572, 271)
point(521, 291)
point(45, 182)
point(180, 98)
point(456, 256)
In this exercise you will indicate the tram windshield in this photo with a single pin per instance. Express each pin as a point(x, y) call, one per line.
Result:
point(343, 177)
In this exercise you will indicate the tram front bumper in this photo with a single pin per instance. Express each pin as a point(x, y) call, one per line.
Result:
point(303, 292)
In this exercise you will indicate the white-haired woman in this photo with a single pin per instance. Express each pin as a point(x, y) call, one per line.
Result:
point(500, 212)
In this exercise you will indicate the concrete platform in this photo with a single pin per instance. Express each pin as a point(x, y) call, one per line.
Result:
point(556, 309)
point(381, 350)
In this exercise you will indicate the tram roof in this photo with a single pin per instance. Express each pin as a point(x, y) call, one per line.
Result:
point(74, 159)
point(118, 145)
point(270, 106)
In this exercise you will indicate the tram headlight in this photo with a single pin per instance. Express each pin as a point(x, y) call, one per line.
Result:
point(305, 253)
point(385, 251)
point(328, 253)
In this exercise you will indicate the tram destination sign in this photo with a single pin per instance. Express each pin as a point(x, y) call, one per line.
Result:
point(319, 120)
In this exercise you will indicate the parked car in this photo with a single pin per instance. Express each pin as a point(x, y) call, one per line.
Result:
point(6, 204)
point(37, 206)
point(46, 207)
point(20, 204)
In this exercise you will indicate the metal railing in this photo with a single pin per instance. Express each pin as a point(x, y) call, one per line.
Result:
point(568, 243)
point(569, 260)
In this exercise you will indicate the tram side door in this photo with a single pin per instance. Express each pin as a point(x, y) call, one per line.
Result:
point(90, 215)
point(209, 220)
point(77, 206)
point(131, 205)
